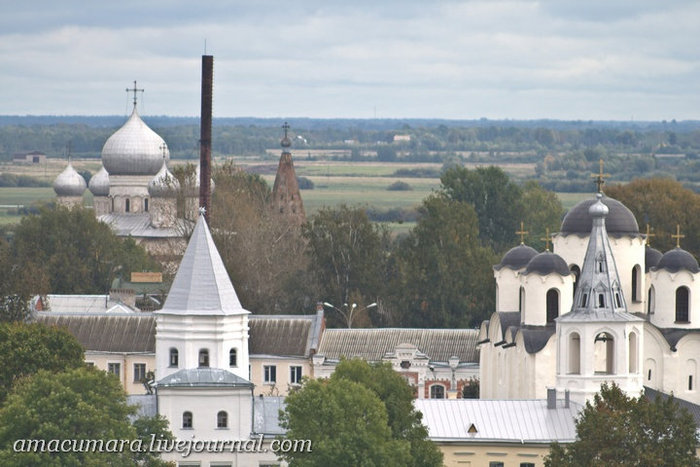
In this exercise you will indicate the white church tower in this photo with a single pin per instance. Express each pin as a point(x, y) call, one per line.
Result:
point(599, 341)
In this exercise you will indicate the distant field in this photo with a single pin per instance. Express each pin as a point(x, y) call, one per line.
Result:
point(336, 182)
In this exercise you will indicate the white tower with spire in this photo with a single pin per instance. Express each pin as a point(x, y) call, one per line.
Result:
point(599, 341)
point(202, 323)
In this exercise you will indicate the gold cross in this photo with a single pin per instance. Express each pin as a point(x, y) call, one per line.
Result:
point(600, 177)
point(649, 234)
point(522, 232)
point(546, 239)
point(678, 236)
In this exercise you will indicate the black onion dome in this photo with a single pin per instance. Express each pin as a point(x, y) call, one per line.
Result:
point(547, 263)
point(677, 259)
point(517, 257)
point(652, 256)
point(619, 221)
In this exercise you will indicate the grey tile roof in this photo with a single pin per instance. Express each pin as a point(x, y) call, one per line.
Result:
point(373, 344)
point(202, 285)
point(113, 332)
point(146, 405)
point(138, 225)
point(508, 319)
point(207, 377)
point(516, 421)
point(287, 335)
point(266, 418)
point(535, 338)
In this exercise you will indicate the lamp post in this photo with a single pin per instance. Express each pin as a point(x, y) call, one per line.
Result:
point(349, 311)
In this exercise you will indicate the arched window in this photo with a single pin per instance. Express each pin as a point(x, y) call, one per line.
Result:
point(604, 353)
point(174, 357)
point(576, 271)
point(222, 420)
point(437, 391)
point(552, 305)
point(601, 300)
point(636, 273)
point(574, 354)
point(204, 358)
point(521, 300)
point(633, 353)
point(233, 357)
point(682, 300)
point(127, 205)
point(186, 419)
point(651, 305)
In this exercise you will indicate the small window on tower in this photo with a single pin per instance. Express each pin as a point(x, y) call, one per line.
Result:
point(601, 300)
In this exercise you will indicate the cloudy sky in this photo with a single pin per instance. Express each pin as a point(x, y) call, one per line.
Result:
point(560, 59)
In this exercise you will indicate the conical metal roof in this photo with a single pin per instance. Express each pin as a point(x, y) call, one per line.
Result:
point(202, 285)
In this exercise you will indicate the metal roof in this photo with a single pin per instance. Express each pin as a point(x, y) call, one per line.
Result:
point(202, 285)
point(373, 344)
point(79, 303)
point(101, 332)
point(139, 225)
point(204, 377)
point(284, 335)
point(516, 421)
point(266, 419)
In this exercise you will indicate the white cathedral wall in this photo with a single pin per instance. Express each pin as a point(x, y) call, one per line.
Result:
point(534, 311)
point(684, 371)
point(665, 285)
point(628, 252)
point(656, 353)
point(545, 370)
point(190, 334)
point(131, 187)
point(507, 289)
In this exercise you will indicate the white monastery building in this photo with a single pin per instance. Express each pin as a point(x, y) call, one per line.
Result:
point(603, 306)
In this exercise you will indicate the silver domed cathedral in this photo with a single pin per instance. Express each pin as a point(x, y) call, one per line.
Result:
point(133, 178)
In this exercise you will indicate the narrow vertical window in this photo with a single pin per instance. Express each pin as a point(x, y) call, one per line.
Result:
point(552, 305)
point(233, 358)
point(187, 420)
point(222, 419)
point(204, 358)
point(127, 205)
point(174, 358)
point(682, 301)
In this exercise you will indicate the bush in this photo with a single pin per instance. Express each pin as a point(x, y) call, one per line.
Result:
point(305, 183)
point(399, 186)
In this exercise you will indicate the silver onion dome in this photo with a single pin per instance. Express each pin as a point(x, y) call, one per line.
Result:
point(69, 183)
point(99, 183)
point(164, 184)
point(134, 149)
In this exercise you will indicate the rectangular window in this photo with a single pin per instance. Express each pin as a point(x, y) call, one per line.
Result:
point(90, 364)
point(270, 374)
point(527, 464)
point(115, 368)
point(495, 464)
point(295, 374)
point(139, 372)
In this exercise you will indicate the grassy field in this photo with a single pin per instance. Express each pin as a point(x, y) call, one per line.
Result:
point(335, 182)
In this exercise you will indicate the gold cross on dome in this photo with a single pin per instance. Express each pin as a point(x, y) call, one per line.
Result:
point(649, 235)
point(678, 236)
point(546, 239)
point(600, 177)
point(522, 232)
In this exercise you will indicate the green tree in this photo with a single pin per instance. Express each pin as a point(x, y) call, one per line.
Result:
point(495, 199)
point(148, 428)
point(348, 254)
point(347, 424)
point(18, 283)
point(77, 253)
point(540, 210)
point(397, 396)
point(617, 430)
point(28, 348)
point(82, 403)
point(662, 203)
point(442, 274)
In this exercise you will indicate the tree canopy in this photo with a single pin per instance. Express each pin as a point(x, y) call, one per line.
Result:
point(662, 203)
point(28, 348)
point(617, 430)
point(76, 253)
point(361, 415)
point(77, 404)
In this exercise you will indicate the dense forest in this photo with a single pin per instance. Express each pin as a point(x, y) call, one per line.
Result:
point(565, 152)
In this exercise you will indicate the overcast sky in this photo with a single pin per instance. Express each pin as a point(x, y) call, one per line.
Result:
point(560, 59)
